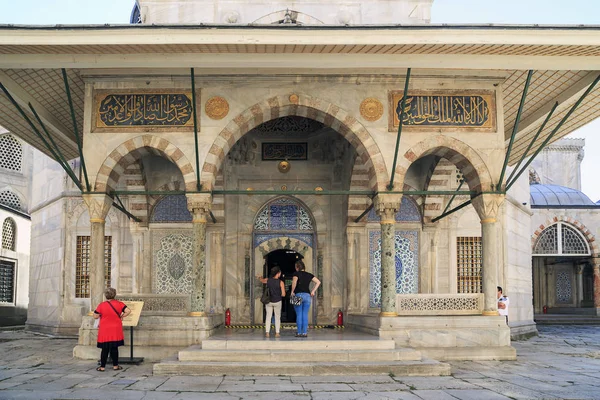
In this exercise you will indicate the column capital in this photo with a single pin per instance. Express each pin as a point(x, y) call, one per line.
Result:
point(98, 206)
point(386, 206)
point(487, 206)
point(199, 205)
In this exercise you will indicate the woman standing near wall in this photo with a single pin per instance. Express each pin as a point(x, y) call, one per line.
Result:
point(301, 288)
point(110, 333)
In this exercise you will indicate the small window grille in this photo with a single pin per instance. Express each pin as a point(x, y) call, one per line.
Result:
point(8, 234)
point(7, 281)
point(561, 239)
point(82, 265)
point(11, 153)
point(10, 199)
point(468, 256)
point(459, 176)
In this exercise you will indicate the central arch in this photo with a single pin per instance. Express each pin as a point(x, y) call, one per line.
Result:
point(301, 105)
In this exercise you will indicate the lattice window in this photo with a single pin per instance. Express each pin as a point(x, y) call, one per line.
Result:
point(172, 208)
point(572, 242)
point(561, 239)
point(11, 153)
point(459, 176)
point(283, 214)
point(468, 260)
point(82, 265)
point(7, 281)
point(10, 199)
point(9, 230)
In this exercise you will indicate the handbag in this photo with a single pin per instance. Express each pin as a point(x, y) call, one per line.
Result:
point(295, 300)
point(266, 296)
point(97, 323)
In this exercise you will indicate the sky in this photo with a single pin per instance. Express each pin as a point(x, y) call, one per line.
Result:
point(574, 12)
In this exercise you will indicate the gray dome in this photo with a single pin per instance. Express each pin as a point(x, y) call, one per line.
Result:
point(554, 195)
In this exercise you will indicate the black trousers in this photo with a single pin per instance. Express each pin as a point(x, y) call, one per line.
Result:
point(114, 355)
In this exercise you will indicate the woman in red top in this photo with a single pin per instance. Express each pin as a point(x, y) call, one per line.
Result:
point(110, 332)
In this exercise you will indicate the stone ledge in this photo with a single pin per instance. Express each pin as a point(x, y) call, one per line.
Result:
point(501, 353)
point(150, 353)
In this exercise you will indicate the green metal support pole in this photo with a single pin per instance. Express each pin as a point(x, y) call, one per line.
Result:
point(75, 130)
point(302, 192)
point(560, 124)
point(509, 180)
point(455, 209)
point(198, 186)
point(39, 135)
point(400, 117)
point(124, 211)
point(515, 129)
point(61, 159)
point(364, 213)
point(212, 217)
point(119, 200)
point(453, 196)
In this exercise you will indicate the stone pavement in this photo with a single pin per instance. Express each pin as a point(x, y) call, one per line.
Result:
point(562, 363)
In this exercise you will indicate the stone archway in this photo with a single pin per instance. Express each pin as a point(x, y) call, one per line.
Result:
point(305, 106)
point(472, 166)
point(134, 149)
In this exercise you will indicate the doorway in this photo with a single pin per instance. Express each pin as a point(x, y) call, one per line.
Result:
point(285, 259)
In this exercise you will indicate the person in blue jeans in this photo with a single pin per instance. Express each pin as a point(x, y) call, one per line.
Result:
point(301, 288)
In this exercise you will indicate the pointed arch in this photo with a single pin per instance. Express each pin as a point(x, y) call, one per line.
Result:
point(472, 166)
point(133, 150)
point(302, 105)
point(573, 223)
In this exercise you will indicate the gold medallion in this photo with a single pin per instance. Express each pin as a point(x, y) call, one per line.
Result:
point(216, 107)
point(371, 109)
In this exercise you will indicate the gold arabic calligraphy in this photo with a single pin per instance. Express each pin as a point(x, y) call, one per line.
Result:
point(145, 109)
point(444, 110)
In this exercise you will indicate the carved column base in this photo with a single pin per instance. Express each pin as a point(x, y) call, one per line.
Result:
point(388, 314)
point(490, 313)
point(197, 314)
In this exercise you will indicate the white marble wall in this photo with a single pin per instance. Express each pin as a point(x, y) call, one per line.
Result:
point(305, 12)
point(560, 163)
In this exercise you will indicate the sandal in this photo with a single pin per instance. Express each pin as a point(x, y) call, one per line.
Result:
point(100, 369)
point(117, 368)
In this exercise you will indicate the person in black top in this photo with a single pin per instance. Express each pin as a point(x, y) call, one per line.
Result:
point(301, 288)
point(277, 292)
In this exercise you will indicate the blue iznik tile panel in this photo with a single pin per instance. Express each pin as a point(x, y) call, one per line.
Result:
point(172, 208)
point(283, 215)
point(407, 264)
point(409, 212)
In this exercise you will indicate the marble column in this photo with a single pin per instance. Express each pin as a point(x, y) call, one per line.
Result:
point(98, 207)
point(487, 206)
point(351, 294)
point(387, 206)
point(596, 266)
point(199, 205)
point(579, 275)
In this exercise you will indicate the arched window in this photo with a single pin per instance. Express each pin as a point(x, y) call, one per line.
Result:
point(9, 231)
point(561, 239)
point(172, 208)
point(11, 153)
point(10, 199)
point(283, 214)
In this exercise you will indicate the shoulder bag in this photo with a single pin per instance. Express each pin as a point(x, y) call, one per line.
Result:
point(266, 296)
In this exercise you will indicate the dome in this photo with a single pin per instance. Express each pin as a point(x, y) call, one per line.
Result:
point(554, 195)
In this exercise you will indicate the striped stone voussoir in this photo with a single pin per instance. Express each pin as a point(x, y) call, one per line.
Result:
point(132, 151)
point(470, 163)
point(302, 105)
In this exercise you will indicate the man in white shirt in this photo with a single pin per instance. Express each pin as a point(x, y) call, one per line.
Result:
point(503, 303)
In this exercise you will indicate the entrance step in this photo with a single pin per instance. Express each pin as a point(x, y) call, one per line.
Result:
point(398, 368)
point(347, 355)
point(302, 344)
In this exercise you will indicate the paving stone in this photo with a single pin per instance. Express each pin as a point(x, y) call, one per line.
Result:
point(244, 387)
point(191, 384)
point(271, 396)
point(378, 387)
point(434, 382)
point(433, 395)
point(343, 379)
point(473, 394)
point(103, 394)
point(148, 383)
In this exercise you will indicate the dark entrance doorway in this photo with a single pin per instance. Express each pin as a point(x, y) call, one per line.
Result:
point(285, 260)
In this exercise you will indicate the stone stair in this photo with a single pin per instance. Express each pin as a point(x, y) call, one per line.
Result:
point(300, 357)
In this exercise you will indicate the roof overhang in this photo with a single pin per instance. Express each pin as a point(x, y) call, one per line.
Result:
point(566, 60)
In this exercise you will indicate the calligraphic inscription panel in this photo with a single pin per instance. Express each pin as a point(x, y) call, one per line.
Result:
point(444, 110)
point(284, 151)
point(143, 110)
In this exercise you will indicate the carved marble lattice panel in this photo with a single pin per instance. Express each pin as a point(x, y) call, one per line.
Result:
point(439, 304)
point(572, 242)
point(547, 243)
point(409, 212)
point(564, 290)
point(407, 264)
point(261, 238)
point(173, 264)
point(160, 304)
